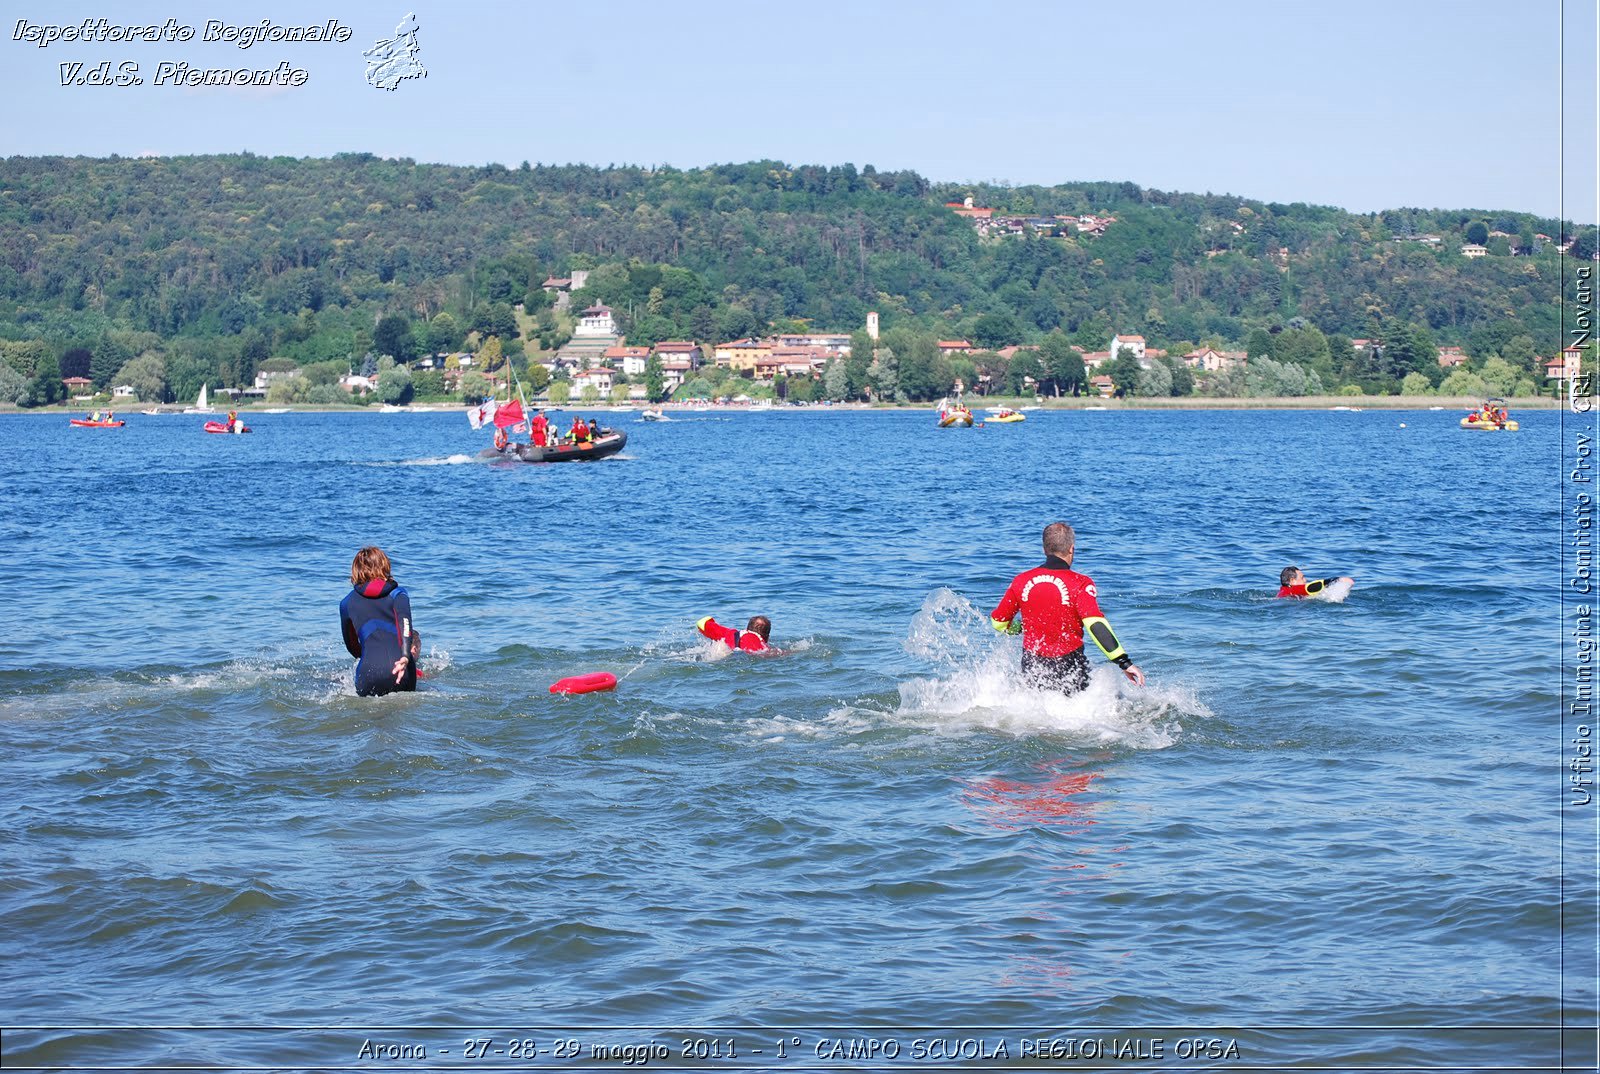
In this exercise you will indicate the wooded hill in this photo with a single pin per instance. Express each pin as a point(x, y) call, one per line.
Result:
point(221, 262)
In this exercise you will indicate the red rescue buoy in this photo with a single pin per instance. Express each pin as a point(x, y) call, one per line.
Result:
point(585, 684)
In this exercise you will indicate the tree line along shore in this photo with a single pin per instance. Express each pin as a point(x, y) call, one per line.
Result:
point(160, 275)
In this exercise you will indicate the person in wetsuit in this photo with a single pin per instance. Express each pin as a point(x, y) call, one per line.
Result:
point(375, 618)
point(1292, 583)
point(1058, 607)
point(752, 639)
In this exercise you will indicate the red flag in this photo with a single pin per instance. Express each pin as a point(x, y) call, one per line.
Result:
point(509, 414)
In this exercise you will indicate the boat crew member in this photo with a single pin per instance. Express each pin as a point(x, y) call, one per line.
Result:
point(1058, 606)
point(375, 618)
point(1292, 583)
point(580, 430)
point(752, 639)
point(539, 430)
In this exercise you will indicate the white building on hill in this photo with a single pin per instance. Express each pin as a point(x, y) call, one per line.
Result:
point(596, 321)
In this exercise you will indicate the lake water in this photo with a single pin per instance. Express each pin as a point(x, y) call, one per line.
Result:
point(1323, 834)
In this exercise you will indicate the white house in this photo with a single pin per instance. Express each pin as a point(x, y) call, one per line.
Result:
point(596, 321)
point(1472, 249)
point(123, 391)
point(354, 383)
point(1212, 360)
point(599, 379)
point(1127, 343)
point(630, 360)
point(266, 380)
point(674, 373)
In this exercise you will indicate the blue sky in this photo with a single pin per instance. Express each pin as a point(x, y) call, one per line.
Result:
point(1365, 105)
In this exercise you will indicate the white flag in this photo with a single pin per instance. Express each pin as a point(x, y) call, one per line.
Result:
point(479, 416)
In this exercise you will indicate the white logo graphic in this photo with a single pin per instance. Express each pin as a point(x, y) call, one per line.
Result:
point(391, 62)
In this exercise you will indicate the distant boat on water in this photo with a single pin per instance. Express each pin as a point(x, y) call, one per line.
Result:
point(202, 404)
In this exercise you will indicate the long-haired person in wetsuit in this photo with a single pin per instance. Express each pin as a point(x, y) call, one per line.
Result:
point(375, 618)
point(1058, 608)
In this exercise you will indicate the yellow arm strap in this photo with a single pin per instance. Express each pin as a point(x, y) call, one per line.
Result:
point(701, 625)
point(1006, 626)
point(1100, 630)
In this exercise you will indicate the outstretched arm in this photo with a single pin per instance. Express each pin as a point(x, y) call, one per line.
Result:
point(1106, 639)
point(1317, 585)
point(716, 631)
point(1003, 618)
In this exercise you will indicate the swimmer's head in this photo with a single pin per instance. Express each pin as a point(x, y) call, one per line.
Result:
point(1059, 540)
point(369, 563)
point(1291, 576)
point(760, 624)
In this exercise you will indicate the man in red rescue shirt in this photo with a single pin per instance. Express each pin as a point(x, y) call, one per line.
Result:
point(752, 639)
point(1058, 607)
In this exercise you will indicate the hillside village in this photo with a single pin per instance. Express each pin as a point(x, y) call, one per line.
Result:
point(394, 284)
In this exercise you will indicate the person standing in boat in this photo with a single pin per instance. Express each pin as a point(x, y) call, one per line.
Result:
point(375, 619)
point(1058, 608)
point(539, 430)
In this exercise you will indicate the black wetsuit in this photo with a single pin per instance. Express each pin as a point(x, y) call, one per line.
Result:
point(376, 622)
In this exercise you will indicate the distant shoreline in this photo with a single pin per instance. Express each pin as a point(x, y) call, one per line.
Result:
point(1188, 402)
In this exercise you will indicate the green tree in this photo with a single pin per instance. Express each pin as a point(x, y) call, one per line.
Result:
point(1154, 381)
point(323, 374)
point(835, 380)
point(490, 357)
point(394, 385)
point(428, 384)
point(110, 355)
point(147, 374)
point(1182, 377)
point(13, 385)
point(1521, 353)
point(393, 336)
point(1477, 232)
point(655, 388)
point(23, 355)
point(995, 330)
point(1499, 375)
point(884, 375)
point(444, 334)
point(1415, 384)
point(75, 362)
point(1463, 382)
point(1124, 370)
point(1063, 364)
point(1259, 345)
point(475, 388)
point(45, 387)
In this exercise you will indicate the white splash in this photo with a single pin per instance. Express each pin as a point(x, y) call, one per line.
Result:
point(1335, 592)
point(979, 687)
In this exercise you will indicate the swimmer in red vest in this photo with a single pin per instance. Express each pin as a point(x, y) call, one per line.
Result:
point(1292, 583)
point(1058, 607)
point(752, 639)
